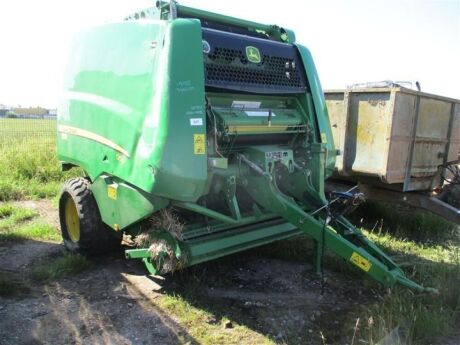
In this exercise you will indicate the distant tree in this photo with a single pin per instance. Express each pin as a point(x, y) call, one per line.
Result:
point(11, 115)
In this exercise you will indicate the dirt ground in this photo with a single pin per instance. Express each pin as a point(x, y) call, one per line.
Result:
point(114, 302)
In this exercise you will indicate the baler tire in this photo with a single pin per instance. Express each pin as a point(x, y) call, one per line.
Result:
point(94, 237)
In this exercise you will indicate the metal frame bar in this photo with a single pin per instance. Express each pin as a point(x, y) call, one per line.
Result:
point(407, 177)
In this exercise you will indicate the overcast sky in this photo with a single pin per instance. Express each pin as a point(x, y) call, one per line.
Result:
point(351, 40)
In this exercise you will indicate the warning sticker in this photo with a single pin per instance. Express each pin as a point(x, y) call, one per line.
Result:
point(112, 191)
point(361, 262)
point(199, 144)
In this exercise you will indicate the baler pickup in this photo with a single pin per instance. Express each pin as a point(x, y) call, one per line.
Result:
point(328, 231)
point(344, 239)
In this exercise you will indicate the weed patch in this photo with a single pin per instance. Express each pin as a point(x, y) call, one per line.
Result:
point(68, 264)
point(28, 172)
point(205, 328)
point(32, 231)
point(404, 222)
point(419, 318)
point(12, 215)
point(10, 285)
point(428, 249)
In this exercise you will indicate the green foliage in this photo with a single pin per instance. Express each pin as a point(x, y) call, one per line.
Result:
point(421, 318)
point(6, 211)
point(10, 115)
point(30, 168)
point(33, 231)
point(10, 285)
point(428, 249)
point(15, 225)
point(202, 326)
point(11, 216)
point(403, 221)
point(63, 266)
point(9, 191)
point(15, 213)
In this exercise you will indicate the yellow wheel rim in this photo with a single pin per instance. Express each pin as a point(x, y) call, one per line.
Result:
point(71, 220)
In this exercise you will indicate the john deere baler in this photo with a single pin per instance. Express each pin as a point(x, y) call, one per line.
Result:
point(200, 135)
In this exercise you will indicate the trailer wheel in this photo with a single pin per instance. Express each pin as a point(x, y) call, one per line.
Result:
point(451, 195)
point(81, 226)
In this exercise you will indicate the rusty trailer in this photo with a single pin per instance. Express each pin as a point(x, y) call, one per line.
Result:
point(398, 144)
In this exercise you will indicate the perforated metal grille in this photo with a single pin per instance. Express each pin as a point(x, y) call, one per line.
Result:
point(229, 66)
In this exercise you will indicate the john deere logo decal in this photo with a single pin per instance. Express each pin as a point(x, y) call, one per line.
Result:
point(253, 54)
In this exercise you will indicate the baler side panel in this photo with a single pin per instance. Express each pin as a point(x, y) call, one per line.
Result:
point(108, 88)
point(117, 117)
point(181, 170)
point(322, 117)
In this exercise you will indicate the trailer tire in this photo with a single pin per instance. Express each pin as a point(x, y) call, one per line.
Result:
point(82, 228)
point(451, 195)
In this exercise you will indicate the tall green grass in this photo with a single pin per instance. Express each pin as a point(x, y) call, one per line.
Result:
point(428, 249)
point(30, 168)
point(419, 318)
point(403, 222)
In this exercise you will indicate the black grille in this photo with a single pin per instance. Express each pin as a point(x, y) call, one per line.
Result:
point(226, 64)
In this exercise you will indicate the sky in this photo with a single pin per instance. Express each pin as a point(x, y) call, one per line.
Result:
point(352, 41)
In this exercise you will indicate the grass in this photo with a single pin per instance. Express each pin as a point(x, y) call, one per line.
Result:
point(18, 224)
point(68, 264)
point(404, 222)
point(428, 249)
point(203, 327)
point(421, 318)
point(12, 215)
point(32, 231)
point(44, 272)
point(30, 168)
point(10, 285)
point(26, 130)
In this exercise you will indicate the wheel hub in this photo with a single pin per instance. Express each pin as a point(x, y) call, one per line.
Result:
point(72, 220)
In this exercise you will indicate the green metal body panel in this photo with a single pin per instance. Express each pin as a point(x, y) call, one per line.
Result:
point(143, 116)
point(273, 31)
point(120, 90)
point(120, 204)
point(230, 242)
point(285, 112)
point(322, 117)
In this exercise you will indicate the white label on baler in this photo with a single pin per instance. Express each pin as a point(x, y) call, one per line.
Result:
point(196, 122)
point(246, 104)
point(258, 113)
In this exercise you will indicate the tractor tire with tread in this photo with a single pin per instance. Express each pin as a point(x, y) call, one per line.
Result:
point(82, 228)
